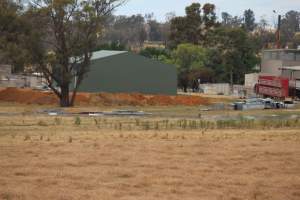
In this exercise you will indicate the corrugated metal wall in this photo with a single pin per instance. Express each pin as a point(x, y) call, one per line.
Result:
point(130, 73)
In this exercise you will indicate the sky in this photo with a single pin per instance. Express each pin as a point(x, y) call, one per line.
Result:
point(261, 8)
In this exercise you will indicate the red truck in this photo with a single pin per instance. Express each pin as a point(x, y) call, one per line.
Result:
point(273, 86)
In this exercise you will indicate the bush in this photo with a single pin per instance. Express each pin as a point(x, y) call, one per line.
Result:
point(77, 121)
point(57, 121)
point(42, 123)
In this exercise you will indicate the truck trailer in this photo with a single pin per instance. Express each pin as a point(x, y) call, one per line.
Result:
point(273, 86)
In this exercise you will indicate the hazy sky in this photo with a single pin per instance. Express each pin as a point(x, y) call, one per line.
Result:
point(234, 7)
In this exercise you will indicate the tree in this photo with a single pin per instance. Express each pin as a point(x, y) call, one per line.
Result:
point(155, 33)
point(204, 75)
point(188, 57)
point(263, 36)
point(129, 31)
point(226, 18)
point(154, 53)
point(114, 46)
point(15, 34)
point(67, 39)
point(231, 22)
point(193, 27)
point(232, 54)
point(297, 39)
point(249, 20)
point(290, 26)
point(209, 15)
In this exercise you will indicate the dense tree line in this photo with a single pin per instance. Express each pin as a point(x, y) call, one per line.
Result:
point(229, 48)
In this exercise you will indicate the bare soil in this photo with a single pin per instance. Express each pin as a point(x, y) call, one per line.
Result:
point(29, 96)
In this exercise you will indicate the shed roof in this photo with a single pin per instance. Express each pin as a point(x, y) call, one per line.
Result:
point(293, 68)
point(281, 50)
point(105, 53)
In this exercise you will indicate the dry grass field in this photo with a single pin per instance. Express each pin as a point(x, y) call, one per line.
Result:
point(66, 158)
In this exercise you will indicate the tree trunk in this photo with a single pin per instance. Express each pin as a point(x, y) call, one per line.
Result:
point(231, 81)
point(185, 89)
point(73, 97)
point(65, 99)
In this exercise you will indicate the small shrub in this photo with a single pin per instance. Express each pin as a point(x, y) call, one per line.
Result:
point(70, 139)
point(146, 125)
point(154, 135)
point(77, 121)
point(120, 126)
point(137, 122)
point(156, 126)
point(183, 124)
point(57, 121)
point(165, 137)
point(166, 122)
point(42, 123)
point(27, 137)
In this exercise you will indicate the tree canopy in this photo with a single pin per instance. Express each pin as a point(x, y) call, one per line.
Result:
point(193, 27)
point(67, 31)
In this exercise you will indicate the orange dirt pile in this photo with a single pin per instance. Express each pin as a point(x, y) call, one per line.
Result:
point(29, 96)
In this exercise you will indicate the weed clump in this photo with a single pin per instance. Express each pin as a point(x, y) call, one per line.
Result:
point(27, 137)
point(77, 121)
point(42, 123)
point(57, 121)
point(70, 139)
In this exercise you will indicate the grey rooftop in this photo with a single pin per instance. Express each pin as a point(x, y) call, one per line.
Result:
point(105, 53)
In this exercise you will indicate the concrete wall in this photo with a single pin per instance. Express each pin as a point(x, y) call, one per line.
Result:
point(214, 89)
point(129, 73)
point(5, 70)
point(251, 80)
point(21, 81)
point(273, 60)
point(271, 67)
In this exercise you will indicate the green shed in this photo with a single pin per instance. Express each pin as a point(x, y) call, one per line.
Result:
point(125, 72)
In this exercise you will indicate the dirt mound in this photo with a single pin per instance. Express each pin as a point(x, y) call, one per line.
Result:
point(118, 99)
point(29, 96)
point(160, 100)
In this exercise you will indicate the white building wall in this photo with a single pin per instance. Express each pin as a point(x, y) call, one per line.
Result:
point(214, 89)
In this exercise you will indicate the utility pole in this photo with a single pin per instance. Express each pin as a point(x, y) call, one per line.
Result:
point(278, 32)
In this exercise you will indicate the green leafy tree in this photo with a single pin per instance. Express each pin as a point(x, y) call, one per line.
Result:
point(232, 54)
point(154, 53)
point(188, 57)
point(15, 35)
point(68, 30)
point(193, 27)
